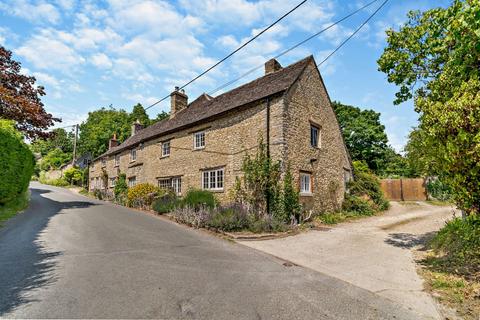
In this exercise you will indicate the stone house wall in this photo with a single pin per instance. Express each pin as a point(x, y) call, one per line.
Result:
point(308, 103)
point(227, 140)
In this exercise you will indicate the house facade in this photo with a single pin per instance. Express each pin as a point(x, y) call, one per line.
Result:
point(203, 143)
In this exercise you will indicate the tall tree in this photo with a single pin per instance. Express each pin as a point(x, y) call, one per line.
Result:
point(100, 126)
point(435, 59)
point(139, 114)
point(161, 116)
point(20, 99)
point(59, 139)
point(364, 134)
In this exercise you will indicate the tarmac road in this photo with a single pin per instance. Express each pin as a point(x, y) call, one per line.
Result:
point(68, 256)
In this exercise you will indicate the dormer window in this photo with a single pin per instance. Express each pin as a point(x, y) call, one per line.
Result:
point(133, 155)
point(199, 140)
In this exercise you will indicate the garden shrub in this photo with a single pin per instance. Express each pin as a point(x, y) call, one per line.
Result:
point(120, 190)
point(197, 199)
point(142, 195)
point(230, 218)
point(73, 175)
point(357, 205)
point(165, 203)
point(459, 241)
point(439, 190)
point(16, 162)
point(197, 218)
point(366, 184)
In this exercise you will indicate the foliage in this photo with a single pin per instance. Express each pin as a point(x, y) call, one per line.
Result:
point(367, 185)
point(196, 218)
point(55, 159)
point(20, 99)
point(59, 139)
point(364, 135)
point(99, 128)
point(73, 175)
point(16, 163)
point(459, 242)
point(261, 185)
point(139, 114)
point(142, 195)
point(290, 200)
point(14, 206)
point(434, 58)
point(234, 217)
point(60, 182)
point(161, 116)
point(121, 189)
point(165, 203)
point(439, 190)
point(198, 199)
point(358, 206)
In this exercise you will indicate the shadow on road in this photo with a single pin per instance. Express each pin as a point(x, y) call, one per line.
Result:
point(408, 240)
point(25, 264)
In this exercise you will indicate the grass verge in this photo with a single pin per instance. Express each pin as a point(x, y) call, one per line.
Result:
point(459, 292)
point(12, 208)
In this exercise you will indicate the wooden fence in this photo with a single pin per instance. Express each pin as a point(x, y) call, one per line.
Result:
point(404, 189)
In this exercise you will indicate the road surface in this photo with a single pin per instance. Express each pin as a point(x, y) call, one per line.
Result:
point(68, 256)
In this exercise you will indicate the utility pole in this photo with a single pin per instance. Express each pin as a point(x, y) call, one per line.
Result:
point(75, 144)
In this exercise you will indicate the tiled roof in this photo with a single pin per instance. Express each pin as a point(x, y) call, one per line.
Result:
point(206, 107)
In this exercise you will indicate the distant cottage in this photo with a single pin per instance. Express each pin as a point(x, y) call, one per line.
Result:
point(203, 143)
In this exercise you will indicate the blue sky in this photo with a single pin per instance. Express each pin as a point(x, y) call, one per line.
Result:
point(90, 54)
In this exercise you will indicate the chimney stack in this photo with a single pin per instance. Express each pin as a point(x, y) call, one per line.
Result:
point(113, 142)
point(178, 101)
point(272, 66)
point(136, 127)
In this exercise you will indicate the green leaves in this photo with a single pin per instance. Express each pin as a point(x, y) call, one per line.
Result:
point(435, 58)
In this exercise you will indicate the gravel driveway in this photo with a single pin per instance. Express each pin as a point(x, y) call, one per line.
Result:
point(373, 253)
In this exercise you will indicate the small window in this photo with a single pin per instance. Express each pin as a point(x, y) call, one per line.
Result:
point(315, 137)
point(104, 162)
point(132, 182)
point(165, 183)
point(113, 182)
point(117, 160)
point(305, 183)
point(213, 179)
point(133, 155)
point(165, 148)
point(199, 140)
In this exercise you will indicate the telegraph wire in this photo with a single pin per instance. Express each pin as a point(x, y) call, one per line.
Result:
point(294, 47)
point(233, 52)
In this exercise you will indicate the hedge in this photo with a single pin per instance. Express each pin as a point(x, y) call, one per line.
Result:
point(16, 163)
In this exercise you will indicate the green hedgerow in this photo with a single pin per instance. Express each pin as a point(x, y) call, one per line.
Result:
point(16, 162)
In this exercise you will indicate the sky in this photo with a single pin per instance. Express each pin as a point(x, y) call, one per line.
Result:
point(93, 54)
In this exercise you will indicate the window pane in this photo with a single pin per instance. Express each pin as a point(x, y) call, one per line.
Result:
point(220, 179)
point(205, 180)
point(314, 136)
point(212, 180)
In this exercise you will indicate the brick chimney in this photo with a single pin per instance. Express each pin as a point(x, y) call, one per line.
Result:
point(136, 127)
point(272, 66)
point(113, 142)
point(178, 101)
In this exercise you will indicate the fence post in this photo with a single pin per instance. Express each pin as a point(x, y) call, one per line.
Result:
point(401, 190)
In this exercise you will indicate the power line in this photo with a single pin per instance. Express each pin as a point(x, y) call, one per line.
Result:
point(293, 47)
point(233, 52)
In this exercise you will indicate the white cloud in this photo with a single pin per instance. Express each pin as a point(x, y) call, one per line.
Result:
point(39, 12)
point(101, 60)
point(47, 52)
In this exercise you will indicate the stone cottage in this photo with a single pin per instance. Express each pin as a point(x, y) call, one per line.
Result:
point(203, 143)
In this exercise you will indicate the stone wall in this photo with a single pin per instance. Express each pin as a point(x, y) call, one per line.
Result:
point(307, 103)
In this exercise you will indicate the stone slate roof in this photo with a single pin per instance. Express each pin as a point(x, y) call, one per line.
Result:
point(206, 107)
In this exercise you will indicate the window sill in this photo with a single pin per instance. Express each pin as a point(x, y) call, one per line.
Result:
point(165, 156)
point(215, 190)
point(135, 164)
point(306, 194)
point(197, 149)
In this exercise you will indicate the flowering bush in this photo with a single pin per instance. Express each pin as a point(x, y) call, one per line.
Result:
point(142, 195)
point(197, 218)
